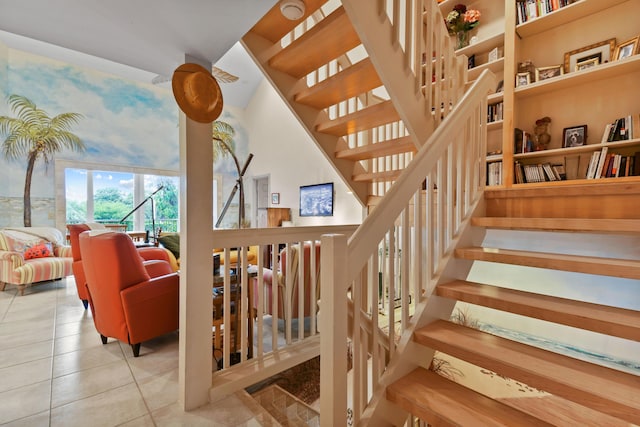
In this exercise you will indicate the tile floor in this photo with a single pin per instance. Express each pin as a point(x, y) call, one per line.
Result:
point(54, 371)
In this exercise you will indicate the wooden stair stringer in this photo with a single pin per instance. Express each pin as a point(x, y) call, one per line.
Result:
point(287, 86)
point(389, 60)
point(604, 389)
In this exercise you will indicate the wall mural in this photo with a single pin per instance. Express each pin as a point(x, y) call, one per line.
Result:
point(124, 123)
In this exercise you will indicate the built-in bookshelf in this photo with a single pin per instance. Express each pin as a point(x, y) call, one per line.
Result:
point(590, 98)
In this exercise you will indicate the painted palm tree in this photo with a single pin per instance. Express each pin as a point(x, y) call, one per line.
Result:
point(223, 146)
point(34, 134)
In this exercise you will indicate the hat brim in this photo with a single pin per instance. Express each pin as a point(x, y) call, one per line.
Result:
point(201, 115)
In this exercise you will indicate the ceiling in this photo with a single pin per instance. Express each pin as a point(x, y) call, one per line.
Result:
point(139, 39)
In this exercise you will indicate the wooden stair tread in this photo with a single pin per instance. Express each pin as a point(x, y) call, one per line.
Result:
point(386, 148)
point(612, 267)
point(603, 389)
point(273, 26)
point(327, 40)
point(367, 118)
point(359, 78)
point(560, 224)
point(439, 401)
point(386, 176)
point(603, 319)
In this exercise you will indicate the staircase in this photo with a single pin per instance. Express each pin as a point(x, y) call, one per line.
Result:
point(586, 393)
point(365, 104)
point(359, 85)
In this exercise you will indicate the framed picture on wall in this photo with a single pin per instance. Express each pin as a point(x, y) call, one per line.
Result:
point(275, 198)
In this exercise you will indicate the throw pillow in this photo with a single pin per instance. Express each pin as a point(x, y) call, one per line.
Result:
point(172, 242)
point(41, 250)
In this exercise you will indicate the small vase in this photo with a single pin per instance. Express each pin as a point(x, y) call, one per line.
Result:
point(462, 39)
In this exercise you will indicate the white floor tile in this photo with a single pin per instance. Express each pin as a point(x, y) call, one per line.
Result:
point(27, 373)
point(25, 401)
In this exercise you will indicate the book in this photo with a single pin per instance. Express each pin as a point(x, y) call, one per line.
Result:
point(593, 164)
point(603, 156)
point(559, 170)
point(605, 134)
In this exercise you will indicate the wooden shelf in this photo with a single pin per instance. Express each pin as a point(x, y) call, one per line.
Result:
point(576, 78)
point(561, 16)
point(495, 125)
point(494, 66)
point(572, 151)
point(494, 98)
point(621, 180)
point(494, 158)
point(485, 45)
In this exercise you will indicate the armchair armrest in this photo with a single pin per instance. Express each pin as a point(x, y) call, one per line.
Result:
point(151, 307)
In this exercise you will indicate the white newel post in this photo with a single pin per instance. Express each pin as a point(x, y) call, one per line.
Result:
point(333, 331)
point(196, 263)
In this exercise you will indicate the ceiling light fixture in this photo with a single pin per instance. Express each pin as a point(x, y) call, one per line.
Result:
point(292, 9)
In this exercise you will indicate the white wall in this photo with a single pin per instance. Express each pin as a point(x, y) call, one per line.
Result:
point(283, 150)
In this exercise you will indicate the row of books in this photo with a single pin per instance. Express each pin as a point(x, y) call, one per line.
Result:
point(531, 9)
point(610, 165)
point(541, 172)
point(494, 173)
point(622, 129)
point(495, 112)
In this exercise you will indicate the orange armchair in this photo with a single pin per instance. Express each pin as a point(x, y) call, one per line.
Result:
point(127, 303)
point(280, 279)
point(149, 254)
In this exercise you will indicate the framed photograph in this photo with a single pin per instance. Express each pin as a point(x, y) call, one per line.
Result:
point(500, 86)
point(316, 200)
point(627, 49)
point(575, 136)
point(544, 73)
point(586, 64)
point(275, 198)
point(522, 79)
point(602, 50)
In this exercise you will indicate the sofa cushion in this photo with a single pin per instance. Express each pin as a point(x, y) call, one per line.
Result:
point(41, 250)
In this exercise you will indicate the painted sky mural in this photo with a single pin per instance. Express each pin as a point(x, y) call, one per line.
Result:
point(125, 123)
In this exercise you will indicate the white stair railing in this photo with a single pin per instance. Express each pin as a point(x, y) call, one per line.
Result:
point(413, 231)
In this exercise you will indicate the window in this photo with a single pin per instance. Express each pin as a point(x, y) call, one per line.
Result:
point(114, 195)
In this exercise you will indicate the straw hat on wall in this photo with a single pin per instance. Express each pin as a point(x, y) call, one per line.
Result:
point(197, 93)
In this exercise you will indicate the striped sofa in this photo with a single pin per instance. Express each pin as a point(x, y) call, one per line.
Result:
point(33, 254)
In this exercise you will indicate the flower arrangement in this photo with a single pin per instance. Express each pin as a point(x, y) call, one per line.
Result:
point(462, 20)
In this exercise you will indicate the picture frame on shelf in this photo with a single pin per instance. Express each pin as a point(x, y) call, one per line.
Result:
point(603, 50)
point(523, 79)
point(586, 64)
point(544, 73)
point(575, 136)
point(500, 86)
point(627, 49)
point(275, 198)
